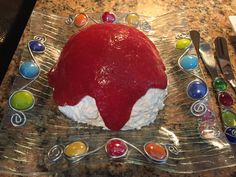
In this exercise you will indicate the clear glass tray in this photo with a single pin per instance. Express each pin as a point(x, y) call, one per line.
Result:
point(24, 149)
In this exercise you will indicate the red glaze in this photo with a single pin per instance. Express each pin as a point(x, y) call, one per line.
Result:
point(113, 63)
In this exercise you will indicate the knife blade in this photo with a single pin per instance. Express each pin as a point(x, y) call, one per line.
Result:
point(223, 59)
point(209, 61)
point(195, 37)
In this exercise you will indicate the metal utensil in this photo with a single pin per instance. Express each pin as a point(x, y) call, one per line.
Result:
point(222, 56)
point(195, 37)
point(210, 63)
point(207, 56)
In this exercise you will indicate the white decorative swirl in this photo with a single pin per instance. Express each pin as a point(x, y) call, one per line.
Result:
point(40, 38)
point(55, 152)
point(173, 149)
point(198, 108)
point(18, 119)
point(182, 35)
point(145, 26)
point(70, 20)
point(233, 133)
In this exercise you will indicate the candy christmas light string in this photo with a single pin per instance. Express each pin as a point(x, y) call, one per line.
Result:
point(23, 100)
point(197, 89)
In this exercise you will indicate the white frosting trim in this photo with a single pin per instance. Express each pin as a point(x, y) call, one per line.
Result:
point(144, 111)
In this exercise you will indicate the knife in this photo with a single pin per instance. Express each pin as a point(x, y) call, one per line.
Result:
point(223, 59)
point(209, 61)
point(195, 37)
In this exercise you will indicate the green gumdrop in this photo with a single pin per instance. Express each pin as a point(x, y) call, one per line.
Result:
point(220, 84)
point(22, 100)
point(229, 118)
point(183, 43)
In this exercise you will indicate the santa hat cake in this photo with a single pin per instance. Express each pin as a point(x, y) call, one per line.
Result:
point(110, 75)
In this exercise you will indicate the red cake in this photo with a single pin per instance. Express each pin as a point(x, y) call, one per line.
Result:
point(114, 64)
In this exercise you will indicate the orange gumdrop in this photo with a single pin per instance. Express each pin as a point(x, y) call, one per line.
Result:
point(80, 20)
point(155, 151)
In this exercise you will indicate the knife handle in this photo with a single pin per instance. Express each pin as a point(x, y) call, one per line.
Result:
point(233, 84)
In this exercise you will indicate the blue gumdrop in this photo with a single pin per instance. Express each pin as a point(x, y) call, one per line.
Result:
point(189, 62)
point(230, 134)
point(36, 46)
point(197, 89)
point(29, 69)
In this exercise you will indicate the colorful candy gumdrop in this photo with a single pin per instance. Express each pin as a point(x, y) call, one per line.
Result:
point(230, 134)
point(189, 62)
point(76, 148)
point(36, 46)
point(225, 99)
point(116, 148)
point(229, 118)
point(132, 19)
point(208, 116)
point(197, 89)
point(219, 84)
point(108, 17)
point(156, 152)
point(21, 100)
point(183, 43)
point(81, 20)
point(29, 69)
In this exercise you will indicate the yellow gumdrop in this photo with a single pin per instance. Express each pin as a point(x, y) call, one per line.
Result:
point(76, 148)
point(132, 19)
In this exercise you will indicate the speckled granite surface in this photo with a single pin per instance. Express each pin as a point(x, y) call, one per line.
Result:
point(209, 17)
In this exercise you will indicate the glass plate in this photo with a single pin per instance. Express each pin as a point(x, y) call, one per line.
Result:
point(24, 149)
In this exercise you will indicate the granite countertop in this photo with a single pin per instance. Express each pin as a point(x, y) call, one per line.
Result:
point(209, 17)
